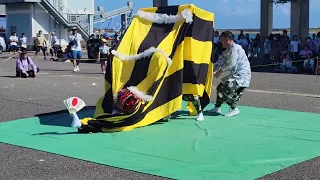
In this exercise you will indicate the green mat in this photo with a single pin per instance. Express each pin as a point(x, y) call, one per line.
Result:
point(253, 144)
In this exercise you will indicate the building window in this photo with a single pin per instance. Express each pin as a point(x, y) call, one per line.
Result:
point(13, 29)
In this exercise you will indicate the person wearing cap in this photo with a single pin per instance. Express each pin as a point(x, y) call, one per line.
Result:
point(103, 54)
point(25, 67)
point(76, 52)
point(234, 61)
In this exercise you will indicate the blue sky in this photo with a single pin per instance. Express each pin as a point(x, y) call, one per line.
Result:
point(231, 14)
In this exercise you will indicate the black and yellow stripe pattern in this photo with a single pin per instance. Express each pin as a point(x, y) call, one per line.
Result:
point(188, 45)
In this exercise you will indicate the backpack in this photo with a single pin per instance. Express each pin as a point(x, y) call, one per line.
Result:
point(28, 60)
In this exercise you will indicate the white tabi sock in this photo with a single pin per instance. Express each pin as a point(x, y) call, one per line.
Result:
point(76, 123)
point(200, 117)
point(234, 112)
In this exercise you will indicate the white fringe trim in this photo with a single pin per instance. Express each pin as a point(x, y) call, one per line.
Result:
point(166, 19)
point(140, 94)
point(146, 53)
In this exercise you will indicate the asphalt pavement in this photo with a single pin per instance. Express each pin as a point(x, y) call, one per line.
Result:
point(21, 98)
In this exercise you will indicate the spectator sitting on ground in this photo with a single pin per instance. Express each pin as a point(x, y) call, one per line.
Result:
point(287, 66)
point(25, 67)
point(67, 53)
point(308, 65)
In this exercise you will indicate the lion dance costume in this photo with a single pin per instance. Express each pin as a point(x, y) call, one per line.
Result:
point(163, 58)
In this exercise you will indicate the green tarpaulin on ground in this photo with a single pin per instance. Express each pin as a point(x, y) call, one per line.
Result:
point(255, 143)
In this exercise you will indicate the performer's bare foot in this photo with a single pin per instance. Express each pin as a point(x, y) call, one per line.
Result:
point(234, 112)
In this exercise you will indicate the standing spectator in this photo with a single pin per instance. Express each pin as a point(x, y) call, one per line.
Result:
point(294, 46)
point(267, 49)
point(13, 43)
point(317, 42)
point(312, 46)
point(23, 42)
point(255, 45)
point(103, 55)
point(216, 38)
point(274, 53)
point(54, 45)
point(241, 34)
point(76, 52)
point(41, 44)
point(244, 43)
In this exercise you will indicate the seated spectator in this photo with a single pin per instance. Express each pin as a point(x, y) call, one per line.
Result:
point(25, 67)
point(308, 65)
point(287, 66)
point(305, 53)
point(60, 53)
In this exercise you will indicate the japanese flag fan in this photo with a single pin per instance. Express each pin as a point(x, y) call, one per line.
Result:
point(74, 104)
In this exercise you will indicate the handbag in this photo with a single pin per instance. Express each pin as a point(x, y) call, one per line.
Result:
point(73, 42)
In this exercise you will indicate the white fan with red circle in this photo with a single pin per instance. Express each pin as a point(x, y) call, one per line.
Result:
point(74, 104)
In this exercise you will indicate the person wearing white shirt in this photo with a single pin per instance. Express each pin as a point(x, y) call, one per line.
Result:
point(294, 44)
point(54, 45)
point(234, 61)
point(23, 42)
point(76, 52)
point(13, 43)
point(216, 38)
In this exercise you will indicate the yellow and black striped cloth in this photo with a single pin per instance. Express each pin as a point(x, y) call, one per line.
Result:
point(188, 45)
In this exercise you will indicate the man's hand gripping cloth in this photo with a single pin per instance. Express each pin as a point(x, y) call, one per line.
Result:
point(164, 53)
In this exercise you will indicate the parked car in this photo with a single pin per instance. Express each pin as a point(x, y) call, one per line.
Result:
point(3, 45)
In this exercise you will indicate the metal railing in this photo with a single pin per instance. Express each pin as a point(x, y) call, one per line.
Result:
point(57, 4)
point(72, 16)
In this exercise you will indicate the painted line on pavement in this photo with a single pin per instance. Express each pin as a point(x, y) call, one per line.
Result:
point(281, 93)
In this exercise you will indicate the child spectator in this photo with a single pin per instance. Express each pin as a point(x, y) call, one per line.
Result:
point(104, 52)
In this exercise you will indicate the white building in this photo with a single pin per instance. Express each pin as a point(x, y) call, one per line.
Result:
point(30, 16)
